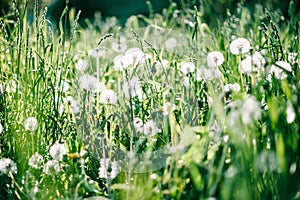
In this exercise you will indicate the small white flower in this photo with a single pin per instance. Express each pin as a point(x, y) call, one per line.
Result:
point(11, 87)
point(214, 59)
point(31, 124)
point(254, 62)
point(284, 65)
point(278, 72)
point(240, 46)
point(187, 67)
point(232, 87)
point(251, 110)
point(82, 65)
point(7, 165)
point(171, 43)
point(132, 57)
point(57, 151)
point(108, 168)
point(90, 83)
point(35, 161)
point(290, 113)
point(150, 128)
point(96, 53)
point(108, 97)
point(52, 166)
point(138, 124)
point(1, 128)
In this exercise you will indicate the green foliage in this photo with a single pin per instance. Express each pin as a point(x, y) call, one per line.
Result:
point(203, 141)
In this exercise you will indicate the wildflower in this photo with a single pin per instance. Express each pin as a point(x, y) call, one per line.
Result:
point(132, 56)
point(35, 161)
point(90, 83)
point(11, 86)
point(51, 166)
point(254, 62)
point(31, 124)
point(284, 65)
point(138, 124)
point(187, 67)
point(240, 46)
point(251, 110)
point(133, 88)
point(214, 59)
point(96, 53)
point(150, 128)
point(7, 165)
point(1, 128)
point(82, 65)
point(171, 43)
point(108, 168)
point(290, 113)
point(108, 97)
point(57, 151)
point(279, 70)
point(232, 87)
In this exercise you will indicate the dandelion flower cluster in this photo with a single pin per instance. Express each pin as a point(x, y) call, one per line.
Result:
point(7, 165)
point(35, 161)
point(57, 151)
point(90, 83)
point(31, 124)
point(108, 168)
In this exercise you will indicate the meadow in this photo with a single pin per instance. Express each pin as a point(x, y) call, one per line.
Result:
point(167, 107)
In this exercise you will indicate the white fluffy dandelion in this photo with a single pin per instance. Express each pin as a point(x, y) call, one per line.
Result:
point(82, 65)
point(7, 165)
point(253, 63)
point(31, 124)
point(214, 59)
point(108, 168)
point(52, 166)
point(97, 53)
point(187, 67)
point(280, 69)
point(251, 110)
point(57, 151)
point(240, 46)
point(108, 97)
point(35, 161)
point(90, 83)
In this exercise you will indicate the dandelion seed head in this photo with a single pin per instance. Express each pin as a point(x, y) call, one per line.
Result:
point(31, 124)
point(214, 59)
point(90, 83)
point(82, 65)
point(97, 53)
point(52, 166)
point(35, 161)
point(108, 168)
point(239, 46)
point(285, 65)
point(7, 165)
point(108, 97)
point(57, 151)
point(187, 67)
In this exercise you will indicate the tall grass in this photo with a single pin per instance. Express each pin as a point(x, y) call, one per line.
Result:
point(161, 121)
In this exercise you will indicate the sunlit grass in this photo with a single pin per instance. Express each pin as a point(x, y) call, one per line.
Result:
point(163, 108)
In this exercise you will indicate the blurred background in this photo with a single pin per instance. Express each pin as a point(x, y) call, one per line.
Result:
point(123, 9)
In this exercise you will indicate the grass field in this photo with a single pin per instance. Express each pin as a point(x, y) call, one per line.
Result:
point(166, 107)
